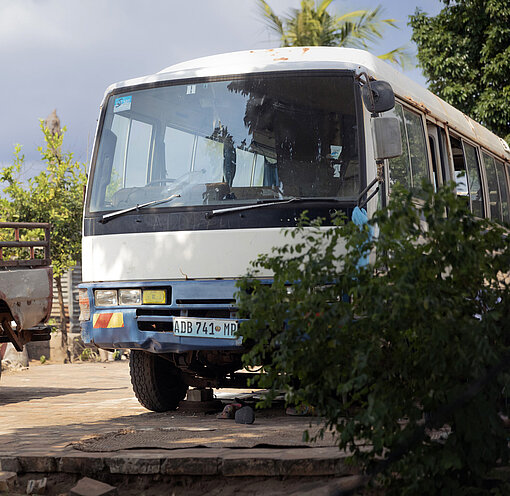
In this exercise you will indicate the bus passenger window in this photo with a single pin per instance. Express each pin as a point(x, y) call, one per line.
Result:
point(400, 171)
point(178, 152)
point(494, 189)
point(137, 159)
point(257, 178)
point(503, 184)
point(115, 179)
point(443, 154)
point(412, 166)
point(417, 148)
point(439, 154)
point(209, 160)
point(244, 168)
point(467, 175)
point(435, 175)
point(459, 168)
point(130, 161)
point(474, 180)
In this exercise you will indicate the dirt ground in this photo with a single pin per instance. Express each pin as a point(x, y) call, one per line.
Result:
point(48, 408)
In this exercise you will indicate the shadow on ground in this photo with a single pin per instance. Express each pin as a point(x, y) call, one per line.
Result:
point(18, 394)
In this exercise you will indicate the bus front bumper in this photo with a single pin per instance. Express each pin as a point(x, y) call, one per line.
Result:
point(205, 321)
point(126, 334)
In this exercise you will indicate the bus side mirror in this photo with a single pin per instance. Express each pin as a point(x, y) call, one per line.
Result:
point(386, 137)
point(378, 96)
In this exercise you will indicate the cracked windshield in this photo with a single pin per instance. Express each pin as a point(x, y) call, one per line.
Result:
point(230, 142)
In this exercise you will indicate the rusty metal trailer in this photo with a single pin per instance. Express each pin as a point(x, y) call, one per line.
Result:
point(26, 289)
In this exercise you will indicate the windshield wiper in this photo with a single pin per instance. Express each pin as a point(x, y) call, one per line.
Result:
point(222, 211)
point(107, 217)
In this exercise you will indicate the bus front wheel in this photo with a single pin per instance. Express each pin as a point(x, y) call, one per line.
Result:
point(157, 383)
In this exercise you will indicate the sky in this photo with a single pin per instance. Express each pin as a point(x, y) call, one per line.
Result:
point(62, 54)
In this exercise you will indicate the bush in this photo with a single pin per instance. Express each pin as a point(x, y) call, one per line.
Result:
point(389, 352)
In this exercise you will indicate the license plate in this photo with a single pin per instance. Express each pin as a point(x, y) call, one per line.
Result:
point(205, 328)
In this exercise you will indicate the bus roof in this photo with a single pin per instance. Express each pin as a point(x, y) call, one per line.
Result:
point(310, 58)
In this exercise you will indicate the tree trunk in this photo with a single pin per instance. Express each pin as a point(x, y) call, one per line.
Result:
point(63, 317)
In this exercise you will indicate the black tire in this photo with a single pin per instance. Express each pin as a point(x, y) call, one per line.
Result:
point(158, 385)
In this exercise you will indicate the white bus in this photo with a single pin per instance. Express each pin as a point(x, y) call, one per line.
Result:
point(199, 168)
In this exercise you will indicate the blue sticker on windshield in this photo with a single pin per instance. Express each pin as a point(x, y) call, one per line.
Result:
point(122, 103)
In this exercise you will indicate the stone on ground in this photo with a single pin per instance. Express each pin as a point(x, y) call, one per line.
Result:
point(13, 358)
point(91, 487)
point(7, 480)
point(245, 415)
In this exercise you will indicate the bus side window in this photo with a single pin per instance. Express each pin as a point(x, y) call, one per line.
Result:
point(179, 147)
point(114, 178)
point(443, 153)
point(417, 149)
point(459, 168)
point(437, 141)
point(137, 156)
point(467, 174)
point(495, 206)
point(501, 171)
point(474, 180)
point(433, 153)
point(399, 168)
point(244, 168)
point(412, 166)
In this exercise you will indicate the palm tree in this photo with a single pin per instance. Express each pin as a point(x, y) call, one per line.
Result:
point(313, 25)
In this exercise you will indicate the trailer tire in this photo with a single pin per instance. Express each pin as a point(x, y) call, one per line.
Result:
point(158, 384)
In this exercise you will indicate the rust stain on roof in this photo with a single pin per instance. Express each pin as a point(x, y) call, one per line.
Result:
point(282, 58)
point(305, 50)
point(416, 104)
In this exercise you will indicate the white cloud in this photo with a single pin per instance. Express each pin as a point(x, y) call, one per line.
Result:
point(25, 22)
point(64, 53)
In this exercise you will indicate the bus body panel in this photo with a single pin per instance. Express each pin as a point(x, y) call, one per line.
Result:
point(176, 255)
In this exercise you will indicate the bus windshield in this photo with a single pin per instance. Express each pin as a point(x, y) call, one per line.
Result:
point(229, 142)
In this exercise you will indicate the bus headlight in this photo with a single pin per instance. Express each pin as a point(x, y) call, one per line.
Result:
point(154, 296)
point(130, 297)
point(105, 297)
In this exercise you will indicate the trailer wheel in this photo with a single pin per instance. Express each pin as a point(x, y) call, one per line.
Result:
point(158, 385)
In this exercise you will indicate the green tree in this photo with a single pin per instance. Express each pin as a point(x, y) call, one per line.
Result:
point(404, 357)
point(55, 195)
point(464, 52)
point(313, 25)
